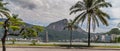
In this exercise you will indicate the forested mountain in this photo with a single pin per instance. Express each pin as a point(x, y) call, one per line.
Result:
point(56, 31)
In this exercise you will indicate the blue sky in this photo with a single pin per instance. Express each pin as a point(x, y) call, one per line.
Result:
point(44, 12)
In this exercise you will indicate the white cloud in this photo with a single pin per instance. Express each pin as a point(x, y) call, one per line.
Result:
point(116, 12)
point(43, 12)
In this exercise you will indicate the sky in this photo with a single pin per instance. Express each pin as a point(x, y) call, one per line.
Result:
point(44, 12)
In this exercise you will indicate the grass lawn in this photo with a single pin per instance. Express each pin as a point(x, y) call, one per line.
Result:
point(56, 45)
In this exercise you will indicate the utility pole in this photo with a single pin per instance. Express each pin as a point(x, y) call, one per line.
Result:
point(46, 36)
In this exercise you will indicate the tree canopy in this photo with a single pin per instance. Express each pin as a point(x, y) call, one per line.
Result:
point(114, 31)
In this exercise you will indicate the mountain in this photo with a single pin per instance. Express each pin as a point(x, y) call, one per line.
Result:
point(56, 32)
point(59, 26)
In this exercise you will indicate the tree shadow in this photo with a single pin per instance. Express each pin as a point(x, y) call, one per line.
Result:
point(76, 46)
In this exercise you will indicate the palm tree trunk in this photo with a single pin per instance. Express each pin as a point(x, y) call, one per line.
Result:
point(89, 34)
point(70, 37)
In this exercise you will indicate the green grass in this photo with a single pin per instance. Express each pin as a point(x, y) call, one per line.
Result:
point(59, 45)
point(107, 46)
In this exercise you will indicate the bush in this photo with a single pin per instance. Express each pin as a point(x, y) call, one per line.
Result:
point(34, 42)
point(117, 39)
point(13, 41)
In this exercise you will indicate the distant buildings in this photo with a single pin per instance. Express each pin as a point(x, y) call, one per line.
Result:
point(94, 38)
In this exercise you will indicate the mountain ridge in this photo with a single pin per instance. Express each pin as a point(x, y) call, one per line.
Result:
point(59, 25)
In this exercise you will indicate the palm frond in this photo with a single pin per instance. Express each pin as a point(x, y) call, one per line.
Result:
point(77, 10)
point(103, 20)
point(76, 18)
point(78, 5)
point(101, 5)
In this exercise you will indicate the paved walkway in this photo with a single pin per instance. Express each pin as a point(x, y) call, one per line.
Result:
point(56, 49)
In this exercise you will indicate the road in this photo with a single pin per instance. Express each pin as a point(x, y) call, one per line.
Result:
point(53, 49)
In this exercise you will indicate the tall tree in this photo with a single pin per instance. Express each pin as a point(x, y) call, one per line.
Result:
point(4, 12)
point(90, 12)
point(10, 23)
point(71, 27)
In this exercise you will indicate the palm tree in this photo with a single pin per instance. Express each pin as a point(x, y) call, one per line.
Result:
point(71, 27)
point(91, 13)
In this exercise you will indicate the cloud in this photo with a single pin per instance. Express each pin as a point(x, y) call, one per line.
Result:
point(43, 12)
point(116, 12)
point(24, 4)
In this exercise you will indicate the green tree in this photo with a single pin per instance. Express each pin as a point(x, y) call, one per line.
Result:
point(91, 13)
point(29, 33)
point(38, 29)
point(16, 23)
point(71, 27)
point(4, 12)
point(10, 23)
point(117, 39)
point(114, 31)
point(32, 32)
